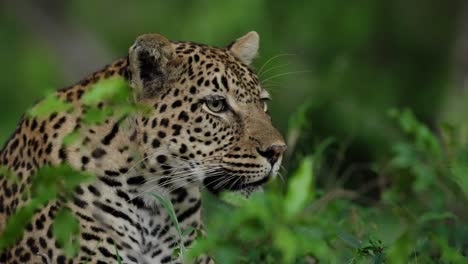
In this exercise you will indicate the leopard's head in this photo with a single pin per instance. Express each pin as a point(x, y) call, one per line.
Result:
point(209, 122)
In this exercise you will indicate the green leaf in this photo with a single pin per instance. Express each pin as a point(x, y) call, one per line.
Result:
point(49, 105)
point(176, 252)
point(449, 253)
point(187, 231)
point(379, 258)
point(425, 176)
point(66, 229)
point(300, 118)
point(114, 89)
point(320, 149)
point(234, 198)
point(350, 240)
point(422, 136)
point(285, 242)
point(119, 258)
point(95, 115)
point(227, 255)
point(459, 170)
point(435, 216)
point(16, 224)
point(49, 181)
point(46, 186)
point(300, 188)
point(115, 94)
point(400, 250)
point(71, 138)
point(8, 174)
point(170, 210)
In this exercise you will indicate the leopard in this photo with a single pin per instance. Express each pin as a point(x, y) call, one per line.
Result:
point(206, 127)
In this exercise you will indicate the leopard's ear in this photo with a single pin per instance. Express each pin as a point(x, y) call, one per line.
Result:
point(245, 48)
point(152, 65)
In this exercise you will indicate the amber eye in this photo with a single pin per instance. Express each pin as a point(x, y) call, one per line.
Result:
point(216, 105)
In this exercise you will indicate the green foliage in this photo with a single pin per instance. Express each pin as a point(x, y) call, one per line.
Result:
point(49, 105)
point(119, 258)
point(268, 227)
point(17, 222)
point(66, 230)
point(234, 198)
point(421, 155)
point(47, 185)
point(115, 94)
point(372, 250)
point(53, 182)
point(459, 168)
point(299, 189)
point(114, 90)
point(418, 220)
point(170, 210)
point(181, 233)
point(8, 174)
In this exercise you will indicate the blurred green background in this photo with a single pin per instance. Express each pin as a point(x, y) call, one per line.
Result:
point(334, 68)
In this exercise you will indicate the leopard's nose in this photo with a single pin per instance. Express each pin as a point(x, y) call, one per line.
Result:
point(272, 153)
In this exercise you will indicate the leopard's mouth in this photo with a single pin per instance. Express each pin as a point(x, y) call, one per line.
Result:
point(222, 181)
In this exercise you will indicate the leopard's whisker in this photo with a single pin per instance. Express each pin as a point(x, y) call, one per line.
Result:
point(235, 182)
point(175, 177)
point(177, 187)
point(283, 74)
point(180, 178)
point(271, 59)
point(178, 170)
point(273, 68)
point(283, 181)
point(219, 179)
point(179, 175)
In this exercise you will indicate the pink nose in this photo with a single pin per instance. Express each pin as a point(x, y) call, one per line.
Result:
point(273, 153)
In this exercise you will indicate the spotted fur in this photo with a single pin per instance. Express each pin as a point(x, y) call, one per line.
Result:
point(180, 148)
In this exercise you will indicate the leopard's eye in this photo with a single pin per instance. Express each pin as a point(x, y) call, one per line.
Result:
point(216, 105)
